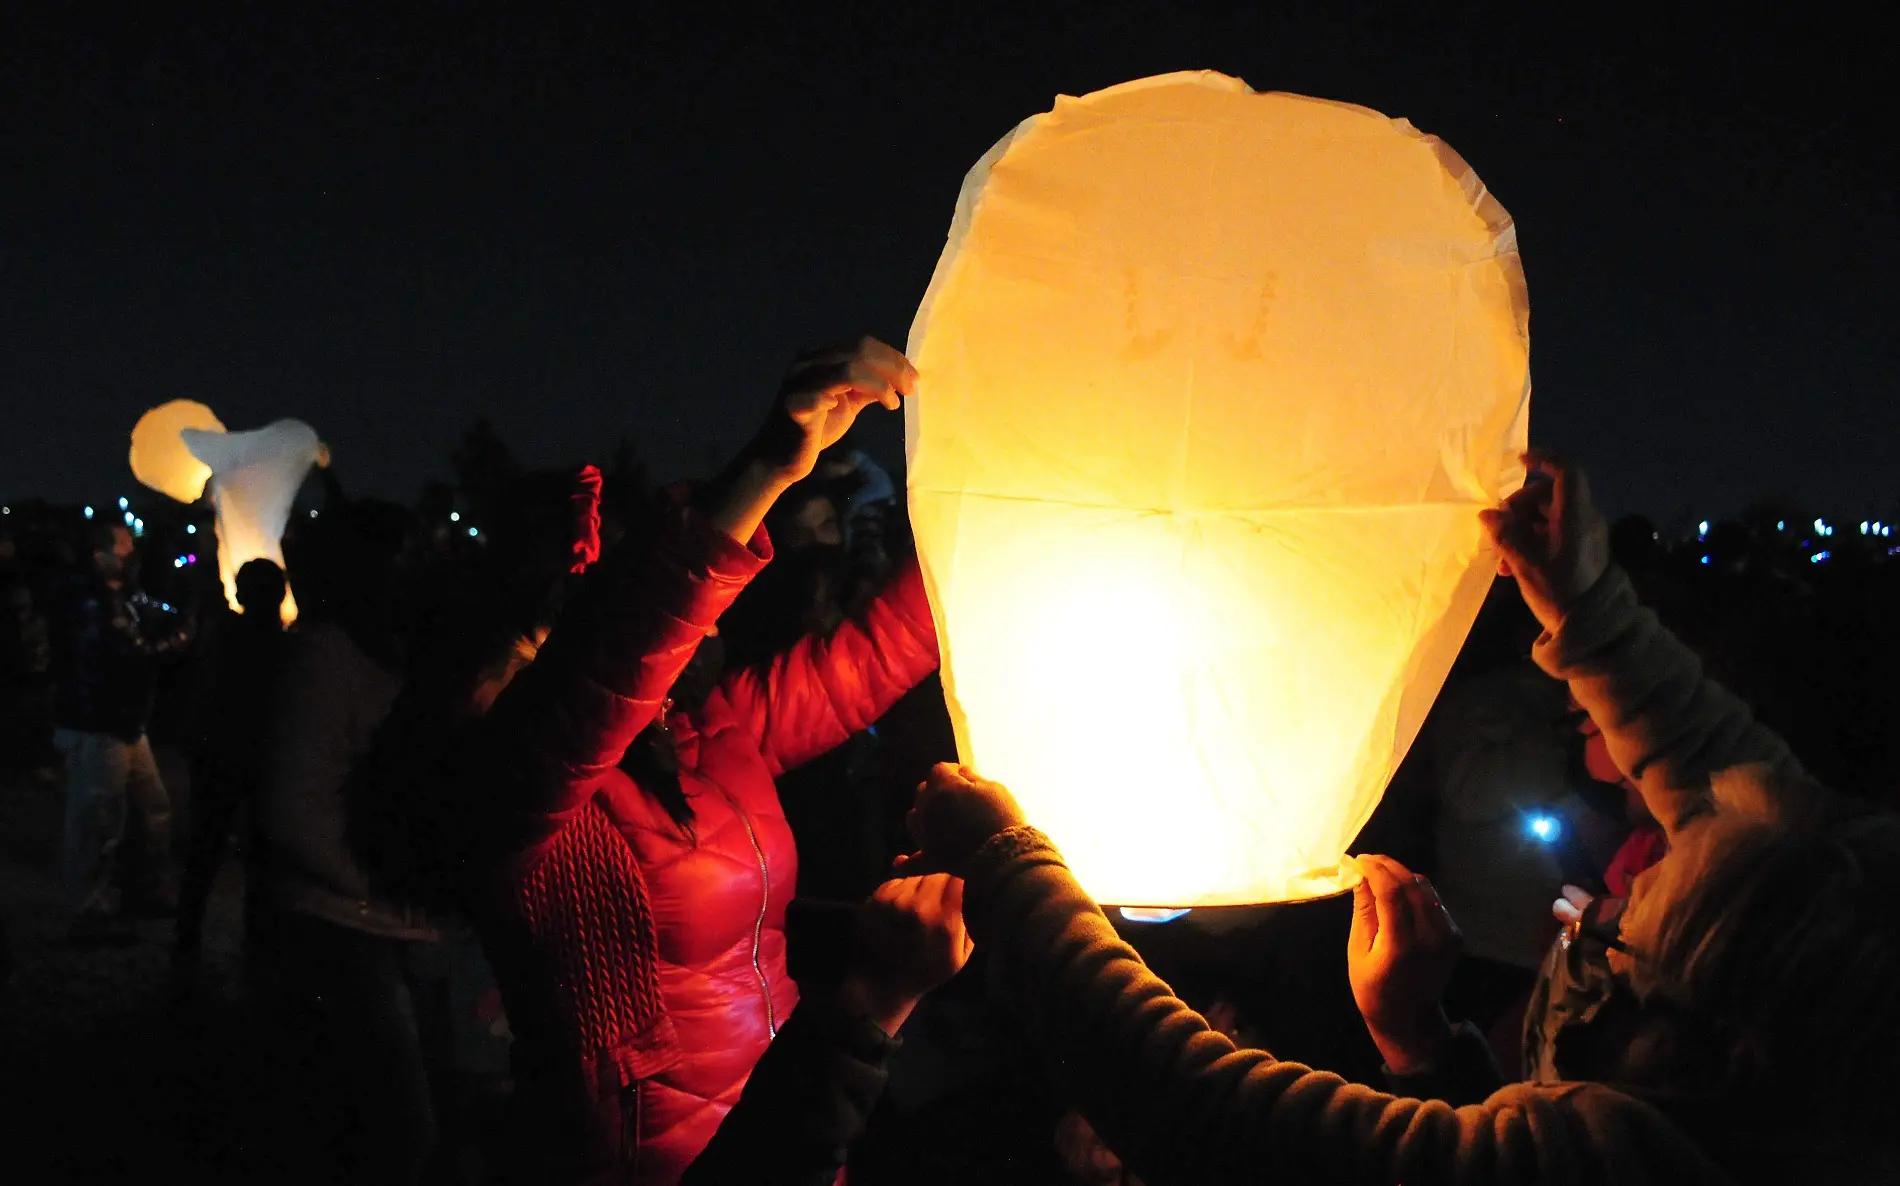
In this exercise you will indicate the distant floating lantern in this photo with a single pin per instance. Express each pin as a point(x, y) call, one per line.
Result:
point(159, 456)
point(1213, 387)
point(180, 447)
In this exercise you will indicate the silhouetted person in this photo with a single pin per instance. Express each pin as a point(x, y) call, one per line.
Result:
point(336, 962)
point(240, 674)
point(107, 644)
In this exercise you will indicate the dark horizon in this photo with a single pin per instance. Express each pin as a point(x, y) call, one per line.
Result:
point(624, 224)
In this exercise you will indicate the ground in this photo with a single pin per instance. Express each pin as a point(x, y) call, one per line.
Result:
point(116, 1068)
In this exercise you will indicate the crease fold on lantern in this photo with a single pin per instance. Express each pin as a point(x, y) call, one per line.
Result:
point(1213, 385)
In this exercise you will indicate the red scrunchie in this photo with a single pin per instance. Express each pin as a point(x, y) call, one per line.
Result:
point(585, 502)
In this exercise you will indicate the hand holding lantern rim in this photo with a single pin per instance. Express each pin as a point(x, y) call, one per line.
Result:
point(956, 813)
point(818, 402)
point(1400, 956)
point(1553, 538)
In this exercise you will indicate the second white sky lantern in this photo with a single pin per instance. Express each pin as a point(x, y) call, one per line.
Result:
point(179, 447)
point(1214, 385)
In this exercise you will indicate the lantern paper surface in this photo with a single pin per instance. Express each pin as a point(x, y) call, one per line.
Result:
point(159, 457)
point(254, 481)
point(1213, 386)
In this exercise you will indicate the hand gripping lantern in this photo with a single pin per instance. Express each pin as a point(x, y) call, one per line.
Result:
point(1213, 385)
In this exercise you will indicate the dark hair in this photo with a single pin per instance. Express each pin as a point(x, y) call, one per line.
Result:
point(404, 798)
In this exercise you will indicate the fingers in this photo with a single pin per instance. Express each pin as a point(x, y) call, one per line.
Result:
point(1390, 881)
point(846, 379)
point(1580, 898)
point(946, 776)
point(1566, 912)
point(1365, 917)
point(1409, 904)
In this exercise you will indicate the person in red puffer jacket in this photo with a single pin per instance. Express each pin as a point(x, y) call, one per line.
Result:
point(634, 863)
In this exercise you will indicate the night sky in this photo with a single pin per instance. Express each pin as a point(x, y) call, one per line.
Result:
point(585, 227)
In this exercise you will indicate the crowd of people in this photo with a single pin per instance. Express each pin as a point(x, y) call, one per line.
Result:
point(621, 841)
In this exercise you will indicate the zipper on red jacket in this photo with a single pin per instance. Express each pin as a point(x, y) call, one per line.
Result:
point(758, 925)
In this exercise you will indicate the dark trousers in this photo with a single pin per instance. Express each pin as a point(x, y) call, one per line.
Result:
point(220, 795)
point(351, 1021)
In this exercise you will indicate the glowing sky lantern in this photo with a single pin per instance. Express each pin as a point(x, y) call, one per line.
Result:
point(253, 478)
point(159, 456)
point(1213, 385)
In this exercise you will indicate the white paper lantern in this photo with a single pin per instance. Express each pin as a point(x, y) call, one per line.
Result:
point(1213, 386)
point(179, 448)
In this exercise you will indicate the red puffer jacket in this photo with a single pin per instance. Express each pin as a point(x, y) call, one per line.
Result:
point(644, 970)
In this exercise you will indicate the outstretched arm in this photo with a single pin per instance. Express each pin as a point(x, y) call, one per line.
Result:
point(1180, 1103)
point(1668, 727)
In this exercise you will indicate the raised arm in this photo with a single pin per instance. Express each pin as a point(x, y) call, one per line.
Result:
point(1180, 1103)
point(1668, 727)
point(816, 695)
point(606, 669)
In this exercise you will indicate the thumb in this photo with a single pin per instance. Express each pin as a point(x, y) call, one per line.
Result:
point(1365, 917)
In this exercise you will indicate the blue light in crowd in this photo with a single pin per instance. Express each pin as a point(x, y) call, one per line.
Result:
point(472, 532)
point(129, 516)
point(1705, 560)
point(1818, 557)
point(191, 529)
point(455, 516)
point(1781, 525)
point(1545, 827)
point(88, 512)
point(1863, 527)
point(1702, 529)
point(1146, 914)
point(123, 504)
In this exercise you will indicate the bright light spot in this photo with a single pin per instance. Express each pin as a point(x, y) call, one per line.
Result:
point(1781, 525)
point(313, 514)
point(129, 517)
point(1863, 527)
point(1545, 828)
point(6, 510)
point(1705, 560)
point(88, 512)
point(191, 529)
point(1144, 914)
point(455, 516)
point(473, 532)
point(1820, 525)
point(1702, 529)
point(1818, 557)
point(192, 558)
point(123, 504)
point(179, 563)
